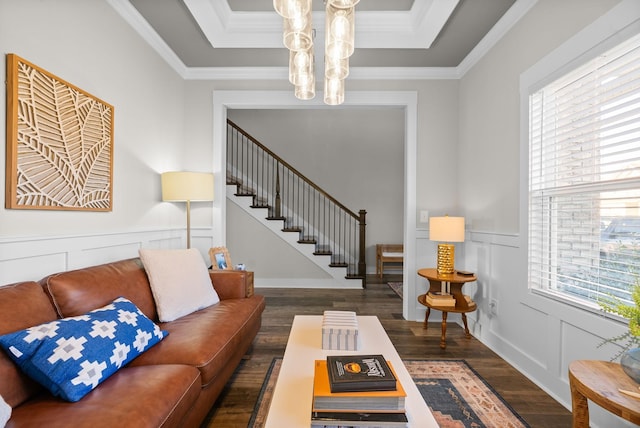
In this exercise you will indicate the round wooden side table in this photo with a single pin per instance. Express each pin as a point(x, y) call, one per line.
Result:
point(601, 382)
point(463, 305)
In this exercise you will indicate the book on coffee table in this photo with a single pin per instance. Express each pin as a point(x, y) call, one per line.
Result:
point(353, 373)
point(357, 419)
point(362, 402)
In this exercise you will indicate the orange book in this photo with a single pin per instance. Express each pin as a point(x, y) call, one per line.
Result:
point(369, 401)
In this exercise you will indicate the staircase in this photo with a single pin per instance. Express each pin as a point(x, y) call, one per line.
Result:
point(280, 195)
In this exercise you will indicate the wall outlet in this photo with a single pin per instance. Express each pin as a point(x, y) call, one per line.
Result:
point(493, 307)
point(424, 216)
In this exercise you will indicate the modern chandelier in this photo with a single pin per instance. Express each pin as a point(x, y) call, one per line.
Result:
point(298, 34)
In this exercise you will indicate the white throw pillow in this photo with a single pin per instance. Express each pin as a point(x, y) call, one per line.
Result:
point(5, 412)
point(179, 280)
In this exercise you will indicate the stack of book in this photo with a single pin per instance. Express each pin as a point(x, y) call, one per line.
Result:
point(357, 391)
point(436, 298)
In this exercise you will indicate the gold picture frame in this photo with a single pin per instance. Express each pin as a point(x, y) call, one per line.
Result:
point(220, 259)
point(59, 143)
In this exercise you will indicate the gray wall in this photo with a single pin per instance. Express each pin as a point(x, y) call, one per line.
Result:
point(537, 334)
point(489, 145)
point(89, 45)
point(354, 155)
point(468, 163)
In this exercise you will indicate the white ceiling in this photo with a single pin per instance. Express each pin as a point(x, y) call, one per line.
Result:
point(395, 39)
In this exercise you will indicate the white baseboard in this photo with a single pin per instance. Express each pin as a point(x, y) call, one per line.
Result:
point(307, 283)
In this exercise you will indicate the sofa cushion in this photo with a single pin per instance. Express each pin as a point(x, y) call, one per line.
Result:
point(141, 397)
point(71, 356)
point(210, 338)
point(179, 281)
point(79, 291)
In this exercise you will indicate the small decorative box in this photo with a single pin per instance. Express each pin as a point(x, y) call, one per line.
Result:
point(340, 331)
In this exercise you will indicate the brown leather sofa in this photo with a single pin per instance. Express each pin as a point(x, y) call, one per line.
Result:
point(173, 384)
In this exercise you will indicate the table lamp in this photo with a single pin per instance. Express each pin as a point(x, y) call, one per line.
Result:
point(183, 186)
point(445, 230)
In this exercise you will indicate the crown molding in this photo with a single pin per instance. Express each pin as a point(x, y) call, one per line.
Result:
point(236, 73)
point(402, 73)
point(224, 28)
point(221, 9)
point(355, 73)
point(416, 28)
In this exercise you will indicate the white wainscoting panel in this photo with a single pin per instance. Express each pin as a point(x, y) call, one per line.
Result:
point(31, 259)
point(538, 335)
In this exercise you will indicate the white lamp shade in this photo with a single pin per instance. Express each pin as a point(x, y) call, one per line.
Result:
point(446, 229)
point(187, 186)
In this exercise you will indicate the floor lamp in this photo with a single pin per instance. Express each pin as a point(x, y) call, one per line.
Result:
point(183, 186)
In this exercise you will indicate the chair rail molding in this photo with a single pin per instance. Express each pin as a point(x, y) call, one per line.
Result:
point(33, 258)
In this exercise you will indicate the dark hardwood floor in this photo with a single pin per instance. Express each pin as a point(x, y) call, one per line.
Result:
point(233, 409)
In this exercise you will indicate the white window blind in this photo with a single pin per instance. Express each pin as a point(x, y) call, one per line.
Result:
point(584, 179)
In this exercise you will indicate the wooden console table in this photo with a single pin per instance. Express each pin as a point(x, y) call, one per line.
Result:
point(600, 381)
point(463, 305)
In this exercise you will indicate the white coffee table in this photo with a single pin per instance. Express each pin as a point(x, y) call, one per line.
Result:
point(292, 396)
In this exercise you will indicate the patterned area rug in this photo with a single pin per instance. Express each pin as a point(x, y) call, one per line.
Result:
point(455, 393)
point(396, 287)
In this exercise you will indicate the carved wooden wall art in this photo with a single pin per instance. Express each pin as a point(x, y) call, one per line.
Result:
point(59, 143)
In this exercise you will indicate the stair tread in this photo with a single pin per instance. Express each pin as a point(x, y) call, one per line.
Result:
point(306, 241)
point(263, 182)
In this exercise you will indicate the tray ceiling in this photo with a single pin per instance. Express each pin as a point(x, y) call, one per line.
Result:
point(199, 36)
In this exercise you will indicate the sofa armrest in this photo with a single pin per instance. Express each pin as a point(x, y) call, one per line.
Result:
point(232, 284)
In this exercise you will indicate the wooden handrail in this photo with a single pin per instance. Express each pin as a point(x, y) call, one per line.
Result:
point(292, 169)
point(302, 205)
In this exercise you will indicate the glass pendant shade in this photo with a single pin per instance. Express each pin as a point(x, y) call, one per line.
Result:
point(333, 91)
point(343, 4)
point(297, 34)
point(301, 66)
point(306, 90)
point(336, 68)
point(340, 29)
point(292, 8)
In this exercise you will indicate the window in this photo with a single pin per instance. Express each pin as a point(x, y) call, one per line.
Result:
point(584, 179)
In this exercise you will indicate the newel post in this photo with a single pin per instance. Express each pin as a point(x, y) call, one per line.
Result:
point(362, 265)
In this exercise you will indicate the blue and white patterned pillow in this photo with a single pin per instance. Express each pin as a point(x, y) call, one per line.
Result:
point(71, 356)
